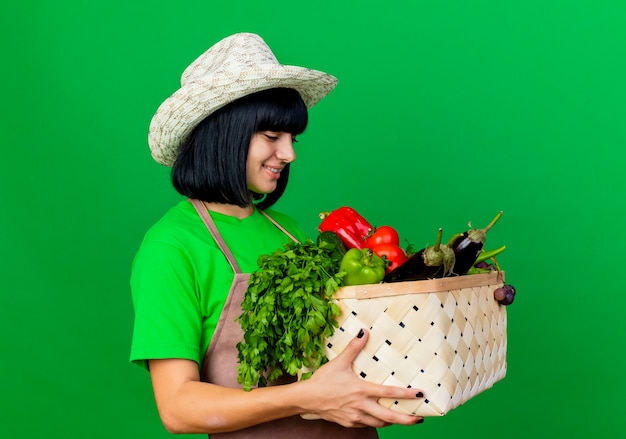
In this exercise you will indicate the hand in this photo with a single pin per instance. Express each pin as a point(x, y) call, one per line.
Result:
point(336, 394)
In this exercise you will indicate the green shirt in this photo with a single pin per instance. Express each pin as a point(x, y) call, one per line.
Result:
point(180, 278)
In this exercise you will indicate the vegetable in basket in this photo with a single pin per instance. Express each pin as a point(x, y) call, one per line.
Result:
point(382, 235)
point(385, 242)
point(505, 294)
point(362, 267)
point(287, 312)
point(431, 262)
point(392, 254)
point(331, 239)
point(482, 266)
point(468, 245)
point(348, 224)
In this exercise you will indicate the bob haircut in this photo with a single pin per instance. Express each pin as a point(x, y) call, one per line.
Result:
point(211, 163)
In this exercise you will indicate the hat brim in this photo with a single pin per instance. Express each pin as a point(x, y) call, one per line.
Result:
point(179, 114)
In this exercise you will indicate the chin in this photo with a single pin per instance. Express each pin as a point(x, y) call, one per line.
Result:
point(264, 191)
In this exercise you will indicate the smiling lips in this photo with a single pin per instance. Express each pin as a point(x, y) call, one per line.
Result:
point(274, 171)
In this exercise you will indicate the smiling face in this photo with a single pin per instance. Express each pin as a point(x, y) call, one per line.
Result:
point(268, 155)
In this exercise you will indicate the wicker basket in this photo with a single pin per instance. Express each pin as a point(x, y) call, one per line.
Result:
point(444, 336)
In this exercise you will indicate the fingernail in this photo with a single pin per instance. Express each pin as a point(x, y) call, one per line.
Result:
point(419, 395)
point(360, 334)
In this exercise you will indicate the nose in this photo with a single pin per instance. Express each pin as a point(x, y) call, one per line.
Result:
point(285, 151)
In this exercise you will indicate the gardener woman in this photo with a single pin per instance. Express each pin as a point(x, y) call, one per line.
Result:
point(228, 135)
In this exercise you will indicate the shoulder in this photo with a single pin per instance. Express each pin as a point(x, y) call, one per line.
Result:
point(180, 228)
point(178, 234)
point(179, 217)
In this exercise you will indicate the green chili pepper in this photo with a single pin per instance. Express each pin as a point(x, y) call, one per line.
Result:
point(362, 267)
point(484, 256)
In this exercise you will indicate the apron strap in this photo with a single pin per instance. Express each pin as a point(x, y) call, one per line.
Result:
point(279, 226)
point(210, 224)
point(202, 210)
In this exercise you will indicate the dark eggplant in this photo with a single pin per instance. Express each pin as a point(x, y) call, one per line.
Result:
point(431, 262)
point(468, 245)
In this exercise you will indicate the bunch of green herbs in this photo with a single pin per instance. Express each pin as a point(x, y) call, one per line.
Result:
point(288, 312)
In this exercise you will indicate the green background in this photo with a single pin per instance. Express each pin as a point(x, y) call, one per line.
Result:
point(446, 112)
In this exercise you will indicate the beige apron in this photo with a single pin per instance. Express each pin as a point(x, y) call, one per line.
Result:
point(220, 362)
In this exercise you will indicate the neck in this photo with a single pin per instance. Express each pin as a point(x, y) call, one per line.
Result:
point(231, 209)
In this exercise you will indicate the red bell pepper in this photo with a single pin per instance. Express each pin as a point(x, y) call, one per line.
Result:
point(348, 224)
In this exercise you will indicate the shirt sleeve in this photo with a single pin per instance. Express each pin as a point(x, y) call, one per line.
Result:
point(167, 307)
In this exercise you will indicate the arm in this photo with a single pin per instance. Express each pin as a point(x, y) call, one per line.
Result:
point(334, 393)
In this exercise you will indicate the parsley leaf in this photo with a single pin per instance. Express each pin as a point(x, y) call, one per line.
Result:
point(287, 312)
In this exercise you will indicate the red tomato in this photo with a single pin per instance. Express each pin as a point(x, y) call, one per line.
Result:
point(394, 254)
point(382, 235)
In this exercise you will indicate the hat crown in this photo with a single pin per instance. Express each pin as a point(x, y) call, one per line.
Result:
point(236, 54)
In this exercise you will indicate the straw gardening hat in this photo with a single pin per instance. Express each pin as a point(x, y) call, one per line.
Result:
point(234, 67)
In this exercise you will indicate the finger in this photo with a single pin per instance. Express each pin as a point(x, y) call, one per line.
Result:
point(394, 392)
point(388, 416)
point(364, 419)
point(353, 348)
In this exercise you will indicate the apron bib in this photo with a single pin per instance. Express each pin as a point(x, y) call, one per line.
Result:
point(221, 360)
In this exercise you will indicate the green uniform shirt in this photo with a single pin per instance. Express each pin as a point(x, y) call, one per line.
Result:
point(180, 278)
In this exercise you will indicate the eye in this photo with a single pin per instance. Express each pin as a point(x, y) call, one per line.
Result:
point(270, 136)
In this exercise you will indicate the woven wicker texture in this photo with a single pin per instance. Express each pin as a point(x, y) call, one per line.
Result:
point(451, 343)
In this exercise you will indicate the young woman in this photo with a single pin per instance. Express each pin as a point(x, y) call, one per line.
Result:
point(228, 134)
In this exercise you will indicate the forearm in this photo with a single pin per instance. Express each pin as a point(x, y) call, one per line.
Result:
point(192, 406)
point(334, 393)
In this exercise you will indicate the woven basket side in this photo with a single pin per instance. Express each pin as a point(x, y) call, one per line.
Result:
point(450, 344)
